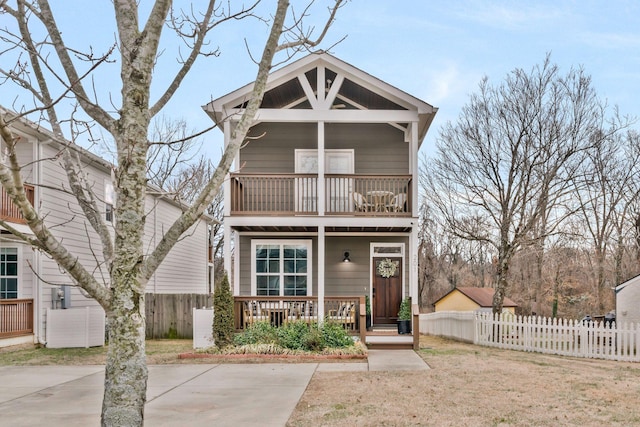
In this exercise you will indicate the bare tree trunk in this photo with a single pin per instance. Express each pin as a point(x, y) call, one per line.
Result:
point(122, 296)
point(502, 282)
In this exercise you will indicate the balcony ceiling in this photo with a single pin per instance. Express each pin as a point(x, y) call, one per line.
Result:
point(298, 229)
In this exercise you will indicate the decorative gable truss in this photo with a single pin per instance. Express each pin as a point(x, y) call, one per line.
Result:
point(347, 95)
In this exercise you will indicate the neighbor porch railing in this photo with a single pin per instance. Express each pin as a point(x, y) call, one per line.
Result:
point(346, 310)
point(16, 317)
point(290, 194)
point(10, 212)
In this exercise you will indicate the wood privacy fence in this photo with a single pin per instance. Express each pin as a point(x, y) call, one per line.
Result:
point(171, 315)
point(596, 340)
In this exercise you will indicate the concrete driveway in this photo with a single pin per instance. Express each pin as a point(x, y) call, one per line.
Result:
point(177, 395)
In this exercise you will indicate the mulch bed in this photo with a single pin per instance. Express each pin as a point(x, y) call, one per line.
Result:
point(276, 357)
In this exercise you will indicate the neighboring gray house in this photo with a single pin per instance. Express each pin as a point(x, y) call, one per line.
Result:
point(328, 174)
point(628, 301)
point(27, 277)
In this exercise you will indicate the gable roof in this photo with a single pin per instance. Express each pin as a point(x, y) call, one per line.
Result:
point(347, 87)
point(631, 281)
point(481, 296)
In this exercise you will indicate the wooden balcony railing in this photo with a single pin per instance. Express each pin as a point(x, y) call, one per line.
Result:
point(16, 317)
point(347, 310)
point(10, 212)
point(291, 194)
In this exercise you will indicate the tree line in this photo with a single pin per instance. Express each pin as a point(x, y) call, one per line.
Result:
point(533, 191)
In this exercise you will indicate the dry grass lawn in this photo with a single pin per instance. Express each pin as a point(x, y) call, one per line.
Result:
point(477, 386)
point(467, 386)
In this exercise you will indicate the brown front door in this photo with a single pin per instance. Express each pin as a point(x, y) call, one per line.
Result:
point(387, 291)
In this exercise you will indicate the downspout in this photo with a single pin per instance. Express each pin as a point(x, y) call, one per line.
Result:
point(155, 242)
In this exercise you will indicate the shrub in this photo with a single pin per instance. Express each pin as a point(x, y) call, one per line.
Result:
point(314, 340)
point(258, 333)
point(294, 335)
point(405, 310)
point(334, 335)
point(223, 327)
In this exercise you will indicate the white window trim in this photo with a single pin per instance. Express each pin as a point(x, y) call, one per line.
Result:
point(19, 275)
point(306, 242)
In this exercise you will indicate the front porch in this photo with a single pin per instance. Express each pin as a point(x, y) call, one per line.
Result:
point(16, 321)
point(349, 311)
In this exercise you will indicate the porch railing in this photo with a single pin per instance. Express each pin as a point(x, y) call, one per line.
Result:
point(16, 317)
point(10, 212)
point(279, 311)
point(351, 194)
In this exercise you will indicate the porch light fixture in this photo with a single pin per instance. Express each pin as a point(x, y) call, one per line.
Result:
point(346, 257)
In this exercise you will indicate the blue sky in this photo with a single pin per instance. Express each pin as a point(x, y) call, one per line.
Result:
point(435, 50)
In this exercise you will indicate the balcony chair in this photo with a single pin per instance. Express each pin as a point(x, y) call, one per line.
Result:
point(398, 203)
point(361, 203)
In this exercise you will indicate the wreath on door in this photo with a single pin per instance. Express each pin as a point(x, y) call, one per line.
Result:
point(387, 268)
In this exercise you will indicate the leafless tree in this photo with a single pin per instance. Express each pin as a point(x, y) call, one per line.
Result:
point(49, 70)
point(506, 161)
point(605, 191)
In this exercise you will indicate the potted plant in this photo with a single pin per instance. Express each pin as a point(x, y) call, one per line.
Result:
point(367, 304)
point(404, 317)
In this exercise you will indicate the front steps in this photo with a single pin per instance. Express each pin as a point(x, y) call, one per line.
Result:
point(386, 338)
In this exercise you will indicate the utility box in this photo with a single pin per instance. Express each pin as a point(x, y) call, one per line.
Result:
point(61, 297)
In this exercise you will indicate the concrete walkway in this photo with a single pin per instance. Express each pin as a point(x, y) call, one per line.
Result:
point(177, 395)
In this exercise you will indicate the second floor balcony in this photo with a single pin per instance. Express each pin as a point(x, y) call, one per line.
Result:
point(302, 194)
point(10, 212)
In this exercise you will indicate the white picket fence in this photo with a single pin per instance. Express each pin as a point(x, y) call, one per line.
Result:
point(459, 325)
point(596, 340)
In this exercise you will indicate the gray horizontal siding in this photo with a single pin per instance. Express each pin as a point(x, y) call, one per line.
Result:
point(341, 279)
point(379, 148)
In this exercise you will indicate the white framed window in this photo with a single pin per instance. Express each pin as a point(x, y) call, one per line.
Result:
point(281, 267)
point(9, 273)
point(387, 249)
point(109, 200)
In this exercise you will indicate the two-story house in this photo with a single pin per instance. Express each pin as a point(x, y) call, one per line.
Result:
point(321, 206)
point(31, 283)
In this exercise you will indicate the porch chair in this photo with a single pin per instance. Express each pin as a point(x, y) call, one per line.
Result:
point(345, 314)
point(302, 310)
point(252, 313)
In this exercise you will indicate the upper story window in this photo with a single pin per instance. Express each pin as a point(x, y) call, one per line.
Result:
point(8, 273)
point(109, 199)
point(281, 268)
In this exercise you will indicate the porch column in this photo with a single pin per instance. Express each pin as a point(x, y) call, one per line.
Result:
point(413, 267)
point(321, 269)
point(413, 238)
point(226, 186)
point(321, 169)
point(226, 250)
point(413, 168)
